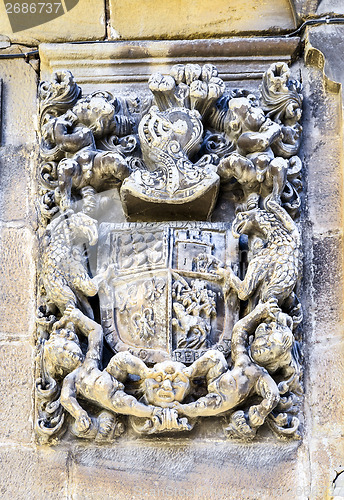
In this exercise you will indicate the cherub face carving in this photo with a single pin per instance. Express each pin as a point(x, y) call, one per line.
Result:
point(166, 383)
point(271, 344)
point(243, 117)
point(63, 352)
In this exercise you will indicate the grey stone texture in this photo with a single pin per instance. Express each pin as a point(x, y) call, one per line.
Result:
point(184, 469)
point(29, 473)
point(323, 262)
point(17, 278)
point(16, 421)
point(17, 209)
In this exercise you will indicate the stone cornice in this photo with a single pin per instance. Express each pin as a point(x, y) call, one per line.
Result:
point(120, 63)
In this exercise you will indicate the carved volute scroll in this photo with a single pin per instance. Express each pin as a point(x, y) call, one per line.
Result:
point(148, 325)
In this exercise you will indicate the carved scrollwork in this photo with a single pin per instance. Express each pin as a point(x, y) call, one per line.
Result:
point(281, 98)
point(149, 325)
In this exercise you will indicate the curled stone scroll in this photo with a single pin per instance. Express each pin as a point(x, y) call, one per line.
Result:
point(146, 326)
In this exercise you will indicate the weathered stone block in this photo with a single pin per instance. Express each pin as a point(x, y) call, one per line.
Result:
point(327, 287)
point(303, 9)
point(19, 104)
point(326, 457)
point(221, 470)
point(150, 19)
point(85, 21)
point(322, 144)
point(16, 371)
point(17, 281)
point(324, 389)
point(27, 473)
point(15, 201)
point(329, 39)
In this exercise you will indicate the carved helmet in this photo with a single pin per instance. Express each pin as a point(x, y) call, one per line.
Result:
point(180, 128)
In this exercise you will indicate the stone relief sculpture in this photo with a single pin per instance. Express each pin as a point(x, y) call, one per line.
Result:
point(144, 327)
point(64, 274)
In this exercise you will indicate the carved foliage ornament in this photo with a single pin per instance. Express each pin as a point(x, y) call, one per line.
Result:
point(148, 325)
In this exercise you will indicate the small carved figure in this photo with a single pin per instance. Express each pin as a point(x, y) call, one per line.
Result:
point(196, 297)
point(281, 99)
point(275, 268)
point(192, 330)
point(194, 306)
point(163, 386)
point(252, 163)
point(89, 382)
point(171, 180)
point(246, 125)
point(63, 342)
point(84, 167)
point(277, 335)
point(144, 323)
point(256, 178)
point(275, 349)
point(228, 388)
point(64, 272)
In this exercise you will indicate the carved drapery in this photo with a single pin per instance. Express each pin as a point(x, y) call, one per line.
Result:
point(179, 313)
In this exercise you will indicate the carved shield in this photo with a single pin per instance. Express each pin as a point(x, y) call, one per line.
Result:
point(162, 298)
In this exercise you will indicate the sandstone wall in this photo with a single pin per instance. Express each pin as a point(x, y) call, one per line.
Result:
point(181, 468)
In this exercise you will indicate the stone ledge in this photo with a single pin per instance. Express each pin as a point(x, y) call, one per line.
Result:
point(162, 469)
point(111, 65)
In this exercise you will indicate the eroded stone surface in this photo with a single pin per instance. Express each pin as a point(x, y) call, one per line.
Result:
point(328, 287)
point(323, 139)
point(196, 19)
point(16, 409)
point(18, 100)
point(86, 21)
point(17, 272)
point(326, 457)
point(325, 379)
point(220, 470)
point(16, 164)
point(25, 471)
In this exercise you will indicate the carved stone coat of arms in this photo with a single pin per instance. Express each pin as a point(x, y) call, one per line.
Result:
point(169, 258)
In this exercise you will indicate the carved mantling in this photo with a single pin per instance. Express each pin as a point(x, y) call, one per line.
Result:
point(189, 308)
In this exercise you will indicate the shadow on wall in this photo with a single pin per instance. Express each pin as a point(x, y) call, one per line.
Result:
point(24, 15)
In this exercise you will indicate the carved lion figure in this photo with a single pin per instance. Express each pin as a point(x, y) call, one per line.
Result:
point(274, 270)
point(64, 273)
